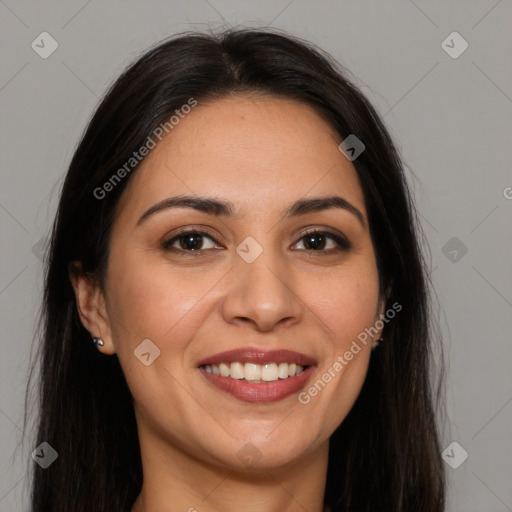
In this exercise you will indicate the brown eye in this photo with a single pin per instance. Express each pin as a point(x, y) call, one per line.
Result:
point(324, 241)
point(189, 241)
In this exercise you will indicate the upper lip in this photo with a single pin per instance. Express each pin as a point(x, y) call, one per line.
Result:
point(258, 356)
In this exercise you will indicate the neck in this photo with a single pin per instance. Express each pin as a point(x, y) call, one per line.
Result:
point(174, 480)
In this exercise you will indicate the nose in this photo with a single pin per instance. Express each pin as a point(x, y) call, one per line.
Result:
point(262, 293)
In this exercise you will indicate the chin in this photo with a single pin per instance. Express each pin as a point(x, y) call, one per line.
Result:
point(263, 451)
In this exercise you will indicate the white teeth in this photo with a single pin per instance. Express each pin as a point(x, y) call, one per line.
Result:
point(237, 371)
point(224, 369)
point(268, 372)
point(252, 371)
point(283, 370)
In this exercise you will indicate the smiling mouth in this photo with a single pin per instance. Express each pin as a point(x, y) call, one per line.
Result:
point(251, 374)
point(255, 373)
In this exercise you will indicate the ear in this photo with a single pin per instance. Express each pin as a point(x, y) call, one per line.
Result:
point(91, 306)
point(383, 300)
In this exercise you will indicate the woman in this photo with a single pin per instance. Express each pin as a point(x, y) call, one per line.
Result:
point(236, 312)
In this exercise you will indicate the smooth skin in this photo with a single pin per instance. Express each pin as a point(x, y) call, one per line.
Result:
point(261, 154)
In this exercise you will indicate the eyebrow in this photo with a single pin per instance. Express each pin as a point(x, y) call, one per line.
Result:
point(217, 207)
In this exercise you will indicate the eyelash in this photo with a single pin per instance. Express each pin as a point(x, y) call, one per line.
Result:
point(343, 244)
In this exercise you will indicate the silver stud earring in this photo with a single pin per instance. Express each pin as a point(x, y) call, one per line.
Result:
point(98, 342)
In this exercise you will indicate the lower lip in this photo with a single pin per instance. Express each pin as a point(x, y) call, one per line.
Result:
point(265, 392)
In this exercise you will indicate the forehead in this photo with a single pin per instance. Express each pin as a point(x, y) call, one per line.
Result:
point(259, 152)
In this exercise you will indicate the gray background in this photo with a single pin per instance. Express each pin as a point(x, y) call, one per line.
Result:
point(451, 118)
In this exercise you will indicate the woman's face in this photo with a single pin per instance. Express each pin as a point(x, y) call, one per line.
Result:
point(252, 282)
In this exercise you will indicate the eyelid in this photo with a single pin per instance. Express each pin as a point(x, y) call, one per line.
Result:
point(168, 242)
point(342, 242)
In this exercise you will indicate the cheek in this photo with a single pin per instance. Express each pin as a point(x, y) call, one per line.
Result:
point(166, 305)
point(151, 299)
point(346, 301)
point(347, 306)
